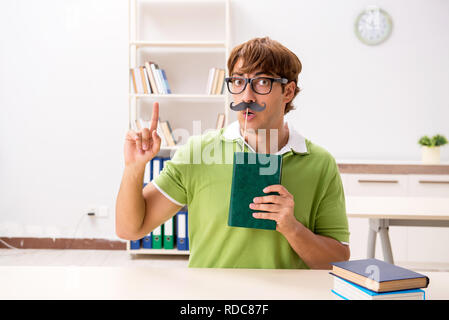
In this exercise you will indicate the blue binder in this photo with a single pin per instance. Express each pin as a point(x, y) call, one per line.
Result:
point(146, 242)
point(135, 244)
point(155, 167)
point(182, 230)
point(163, 162)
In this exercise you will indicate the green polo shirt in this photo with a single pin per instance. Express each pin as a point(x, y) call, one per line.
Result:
point(200, 175)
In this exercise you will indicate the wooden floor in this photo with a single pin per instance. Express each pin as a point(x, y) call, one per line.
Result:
point(52, 257)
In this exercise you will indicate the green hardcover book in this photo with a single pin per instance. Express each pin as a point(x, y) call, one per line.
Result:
point(252, 172)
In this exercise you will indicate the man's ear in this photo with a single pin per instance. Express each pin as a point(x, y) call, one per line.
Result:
point(289, 91)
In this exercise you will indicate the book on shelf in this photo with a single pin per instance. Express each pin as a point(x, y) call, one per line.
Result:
point(168, 134)
point(215, 82)
point(136, 78)
point(151, 77)
point(210, 79)
point(379, 276)
point(144, 80)
point(160, 133)
point(166, 85)
point(159, 78)
point(220, 81)
point(148, 79)
point(220, 121)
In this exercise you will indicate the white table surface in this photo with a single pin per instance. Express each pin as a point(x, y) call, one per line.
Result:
point(62, 282)
point(418, 208)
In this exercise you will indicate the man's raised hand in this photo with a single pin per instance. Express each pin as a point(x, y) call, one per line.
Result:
point(143, 145)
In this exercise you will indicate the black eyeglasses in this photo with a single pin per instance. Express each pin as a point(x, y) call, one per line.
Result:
point(260, 85)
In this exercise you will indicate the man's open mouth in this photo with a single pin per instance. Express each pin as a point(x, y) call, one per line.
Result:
point(251, 114)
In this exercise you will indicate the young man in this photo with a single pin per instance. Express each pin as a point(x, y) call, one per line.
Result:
point(311, 223)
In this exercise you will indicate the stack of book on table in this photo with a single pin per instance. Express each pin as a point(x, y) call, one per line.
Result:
point(372, 279)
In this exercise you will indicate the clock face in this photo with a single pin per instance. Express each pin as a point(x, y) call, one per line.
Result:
point(373, 26)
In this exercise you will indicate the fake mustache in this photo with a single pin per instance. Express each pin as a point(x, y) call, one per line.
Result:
point(244, 105)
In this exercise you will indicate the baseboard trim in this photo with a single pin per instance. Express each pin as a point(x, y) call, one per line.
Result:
point(63, 243)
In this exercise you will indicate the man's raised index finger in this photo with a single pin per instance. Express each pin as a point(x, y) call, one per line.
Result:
point(154, 116)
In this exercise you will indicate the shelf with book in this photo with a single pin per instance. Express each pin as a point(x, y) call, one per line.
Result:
point(179, 42)
point(156, 28)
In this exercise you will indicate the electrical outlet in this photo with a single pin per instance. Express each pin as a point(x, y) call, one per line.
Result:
point(97, 211)
point(91, 211)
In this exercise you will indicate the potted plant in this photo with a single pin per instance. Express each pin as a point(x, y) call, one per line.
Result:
point(431, 148)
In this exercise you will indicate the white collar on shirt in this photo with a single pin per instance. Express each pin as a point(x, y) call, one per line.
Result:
point(296, 142)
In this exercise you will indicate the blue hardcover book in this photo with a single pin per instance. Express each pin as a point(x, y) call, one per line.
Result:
point(182, 231)
point(379, 276)
point(161, 81)
point(135, 244)
point(164, 77)
point(350, 291)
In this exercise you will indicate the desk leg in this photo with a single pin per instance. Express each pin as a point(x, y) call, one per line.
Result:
point(386, 244)
point(372, 235)
point(379, 226)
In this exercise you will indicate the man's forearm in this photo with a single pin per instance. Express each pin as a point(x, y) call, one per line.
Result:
point(315, 250)
point(130, 205)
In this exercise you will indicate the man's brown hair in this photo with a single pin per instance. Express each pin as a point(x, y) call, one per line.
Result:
point(268, 56)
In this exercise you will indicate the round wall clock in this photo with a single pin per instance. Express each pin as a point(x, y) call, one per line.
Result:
point(373, 26)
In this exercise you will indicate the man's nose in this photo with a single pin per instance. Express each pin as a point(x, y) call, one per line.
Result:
point(248, 94)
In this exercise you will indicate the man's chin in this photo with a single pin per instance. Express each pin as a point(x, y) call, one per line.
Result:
point(254, 124)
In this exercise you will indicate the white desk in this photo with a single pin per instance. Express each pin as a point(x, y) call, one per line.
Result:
point(28, 282)
point(383, 212)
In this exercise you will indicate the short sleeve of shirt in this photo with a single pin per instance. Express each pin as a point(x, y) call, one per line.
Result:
point(171, 181)
point(331, 220)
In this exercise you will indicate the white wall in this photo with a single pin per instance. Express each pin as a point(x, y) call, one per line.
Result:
point(361, 102)
point(64, 86)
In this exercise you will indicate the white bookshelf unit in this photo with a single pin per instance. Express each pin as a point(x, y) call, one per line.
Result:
point(185, 38)
point(156, 251)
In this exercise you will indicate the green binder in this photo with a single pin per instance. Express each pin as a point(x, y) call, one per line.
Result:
point(169, 234)
point(252, 172)
point(157, 237)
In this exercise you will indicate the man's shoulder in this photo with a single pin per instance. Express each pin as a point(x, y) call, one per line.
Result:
point(192, 148)
point(317, 150)
point(320, 156)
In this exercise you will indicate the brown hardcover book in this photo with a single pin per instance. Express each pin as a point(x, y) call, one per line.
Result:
point(168, 133)
point(151, 77)
point(379, 276)
point(214, 81)
point(142, 78)
point(220, 80)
